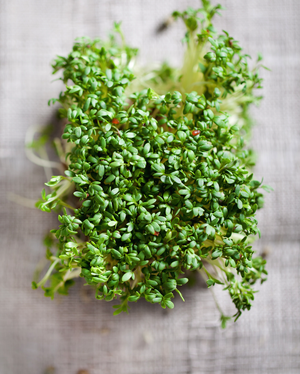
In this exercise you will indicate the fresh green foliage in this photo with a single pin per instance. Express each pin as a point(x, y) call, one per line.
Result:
point(158, 170)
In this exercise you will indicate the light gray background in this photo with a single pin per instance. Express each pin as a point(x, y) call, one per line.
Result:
point(78, 332)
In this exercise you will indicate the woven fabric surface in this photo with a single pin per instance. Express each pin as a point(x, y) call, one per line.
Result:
point(64, 335)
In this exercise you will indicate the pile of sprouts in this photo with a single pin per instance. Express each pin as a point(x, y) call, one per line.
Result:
point(155, 179)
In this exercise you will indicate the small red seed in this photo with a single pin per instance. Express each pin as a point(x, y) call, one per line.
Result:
point(195, 132)
point(115, 121)
point(156, 233)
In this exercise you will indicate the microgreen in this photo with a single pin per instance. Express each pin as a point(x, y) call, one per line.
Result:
point(158, 170)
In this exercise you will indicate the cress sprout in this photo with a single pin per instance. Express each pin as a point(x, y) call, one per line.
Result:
point(156, 179)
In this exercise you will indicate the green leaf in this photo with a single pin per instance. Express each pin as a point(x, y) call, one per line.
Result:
point(110, 178)
point(116, 164)
point(240, 204)
point(169, 304)
point(86, 105)
point(54, 181)
point(126, 236)
point(126, 276)
point(105, 113)
point(210, 231)
point(176, 179)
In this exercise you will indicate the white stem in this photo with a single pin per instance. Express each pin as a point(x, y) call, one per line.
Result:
point(28, 203)
point(29, 137)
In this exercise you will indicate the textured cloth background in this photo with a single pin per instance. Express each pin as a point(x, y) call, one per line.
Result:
point(78, 332)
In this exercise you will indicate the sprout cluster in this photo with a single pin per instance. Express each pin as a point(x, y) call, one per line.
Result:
point(159, 175)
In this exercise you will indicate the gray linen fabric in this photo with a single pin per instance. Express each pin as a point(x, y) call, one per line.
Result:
point(64, 335)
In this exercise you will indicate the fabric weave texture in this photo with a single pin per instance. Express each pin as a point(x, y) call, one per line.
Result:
point(67, 334)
